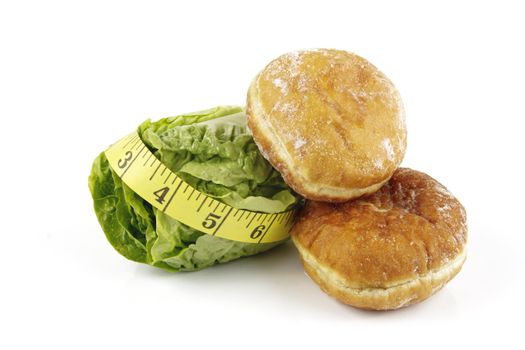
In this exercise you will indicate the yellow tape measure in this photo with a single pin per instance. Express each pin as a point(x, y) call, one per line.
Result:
point(154, 182)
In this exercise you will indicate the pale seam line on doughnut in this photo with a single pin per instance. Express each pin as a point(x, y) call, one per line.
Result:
point(283, 154)
point(374, 207)
point(331, 277)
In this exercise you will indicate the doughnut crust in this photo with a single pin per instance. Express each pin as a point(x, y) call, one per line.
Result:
point(329, 121)
point(387, 250)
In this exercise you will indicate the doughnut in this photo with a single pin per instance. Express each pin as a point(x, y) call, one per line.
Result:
point(329, 121)
point(387, 250)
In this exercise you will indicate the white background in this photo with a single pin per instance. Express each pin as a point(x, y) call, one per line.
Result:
point(76, 76)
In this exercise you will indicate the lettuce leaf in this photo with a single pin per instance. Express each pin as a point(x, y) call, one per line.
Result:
point(214, 152)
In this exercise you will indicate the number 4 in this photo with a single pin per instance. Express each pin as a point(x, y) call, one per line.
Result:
point(161, 194)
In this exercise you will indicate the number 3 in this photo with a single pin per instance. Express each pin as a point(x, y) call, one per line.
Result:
point(123, 162)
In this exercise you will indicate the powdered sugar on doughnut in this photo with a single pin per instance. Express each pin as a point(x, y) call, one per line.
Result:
point(281, 84)
point(443, 191)
point(318, 106)
point(300, 142)
point(387, 146)
point(287, 108)
point(289, 65)
point(443, 208)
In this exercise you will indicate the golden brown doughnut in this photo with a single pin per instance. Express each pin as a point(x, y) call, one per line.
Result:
point(387, 250)
point(329, 121)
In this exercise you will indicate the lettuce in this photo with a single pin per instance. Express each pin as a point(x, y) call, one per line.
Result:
point(214, 152)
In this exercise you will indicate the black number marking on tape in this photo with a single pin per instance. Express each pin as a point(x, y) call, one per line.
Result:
point(268, 228)
point(123, 162)
point(223, 220)
point(128, 160)
point(257, 232)
point(161, 194)
point(211, 221)
point(173, 194)
point(167, 184)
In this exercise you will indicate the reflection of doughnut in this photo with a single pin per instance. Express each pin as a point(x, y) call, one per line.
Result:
point(329, 121)
point(390, 249)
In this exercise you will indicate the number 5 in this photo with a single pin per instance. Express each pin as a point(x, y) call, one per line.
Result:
point(210, 221)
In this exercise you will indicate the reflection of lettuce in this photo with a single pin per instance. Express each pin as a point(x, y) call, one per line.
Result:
point(211, 150)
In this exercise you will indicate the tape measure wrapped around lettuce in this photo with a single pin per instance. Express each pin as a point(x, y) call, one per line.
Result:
point(211, 150)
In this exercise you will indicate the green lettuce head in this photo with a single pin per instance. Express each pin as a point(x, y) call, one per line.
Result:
point(214, 152)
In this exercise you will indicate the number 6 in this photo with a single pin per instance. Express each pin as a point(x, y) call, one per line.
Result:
point(257, 232)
